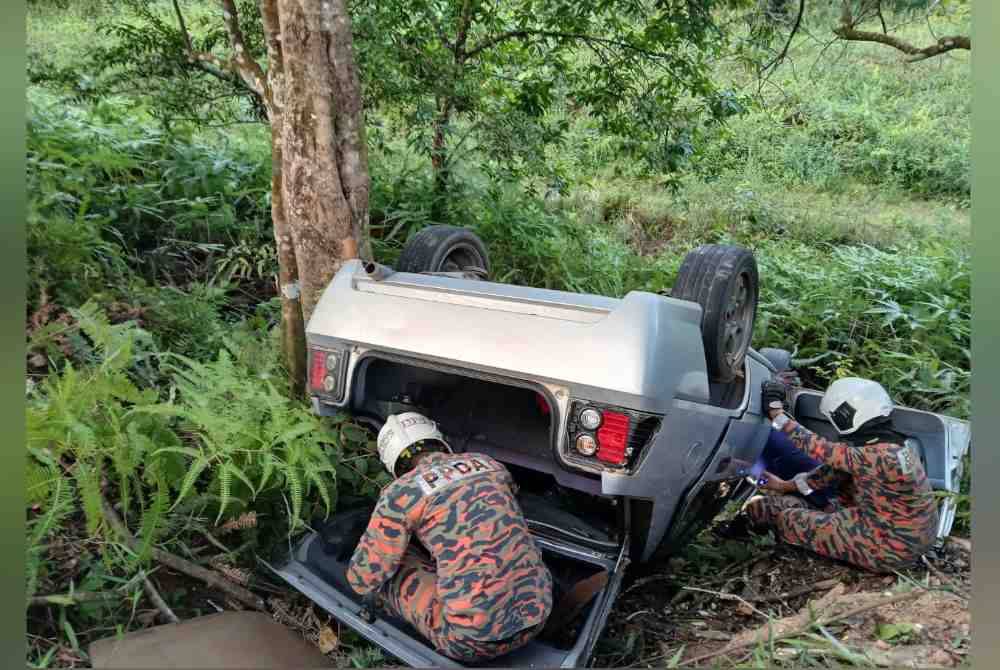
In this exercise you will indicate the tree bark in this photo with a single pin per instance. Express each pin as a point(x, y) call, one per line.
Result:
point(352, 145)
point(847, 30)
point(322, 177)
point(293, 336)
point(320, 181)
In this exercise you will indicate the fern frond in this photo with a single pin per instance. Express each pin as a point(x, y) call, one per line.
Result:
point(59, 507)
point(152, 519)
point(321, 486)
point(268, 463)
point(38, 482)
point(89, 480)
point(243, 478)
point(190, 478)
point(295, 490)
point(225, 489)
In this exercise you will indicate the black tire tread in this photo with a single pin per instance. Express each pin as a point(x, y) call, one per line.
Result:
point(424, 250)
point(703, 278)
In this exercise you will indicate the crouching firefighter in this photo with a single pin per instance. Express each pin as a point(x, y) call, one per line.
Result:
point(893, 517)
point(483, 591)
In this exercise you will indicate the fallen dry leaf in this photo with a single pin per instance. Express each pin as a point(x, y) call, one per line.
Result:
point(328, 640)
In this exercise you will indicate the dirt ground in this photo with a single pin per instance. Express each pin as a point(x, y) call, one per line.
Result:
point(673, 614)
point(719, 592)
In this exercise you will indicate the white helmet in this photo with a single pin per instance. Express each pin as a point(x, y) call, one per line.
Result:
point(852, 402)
point(400, 432)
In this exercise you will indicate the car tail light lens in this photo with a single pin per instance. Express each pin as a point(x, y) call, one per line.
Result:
point(586, 444)
point(612, 438)
point(326, 372)
point(607, 435)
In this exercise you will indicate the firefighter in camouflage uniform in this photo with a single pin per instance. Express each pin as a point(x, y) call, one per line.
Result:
point(891, 519)
point(483, 591)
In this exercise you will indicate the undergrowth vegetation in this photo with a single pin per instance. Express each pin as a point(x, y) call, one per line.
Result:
point(155, 380)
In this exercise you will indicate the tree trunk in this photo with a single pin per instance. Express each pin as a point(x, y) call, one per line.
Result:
point(324, 160)
point(319, 184)
point(293, 335)
point(439, 160)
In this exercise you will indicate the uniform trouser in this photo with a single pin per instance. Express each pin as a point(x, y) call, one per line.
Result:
point(782, 458)
point(838, 535)
point(412, 595)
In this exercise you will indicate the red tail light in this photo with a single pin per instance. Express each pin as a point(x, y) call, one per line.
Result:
point(317, 369)
point(612, 437)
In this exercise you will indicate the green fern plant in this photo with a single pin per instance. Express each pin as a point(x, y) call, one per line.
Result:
point(244, 438)
point(85, 421)
point(58, 506)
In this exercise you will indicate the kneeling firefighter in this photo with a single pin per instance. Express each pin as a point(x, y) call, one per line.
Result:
point(893, 517)
point(484, 590)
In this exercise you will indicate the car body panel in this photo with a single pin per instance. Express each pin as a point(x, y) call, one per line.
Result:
point(645, 349)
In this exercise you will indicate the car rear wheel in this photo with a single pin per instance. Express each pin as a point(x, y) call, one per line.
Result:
point(445, 249)
point(722, 278)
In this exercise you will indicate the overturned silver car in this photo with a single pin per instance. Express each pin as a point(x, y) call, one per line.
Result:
point(628, 423)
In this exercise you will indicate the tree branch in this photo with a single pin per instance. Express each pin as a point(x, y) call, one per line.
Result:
point(158, 600)
point(943, 44)
point(207, 62)
point(210, 577)
point(248, 69)
point(462, 34)
point(183, 26)
point(849, 32)
point(788, 43)
point(878, 10)
point(75, 598)
point(272, 31)
point(800, 623)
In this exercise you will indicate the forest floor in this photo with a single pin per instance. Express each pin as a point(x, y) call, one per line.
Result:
point(675, 616)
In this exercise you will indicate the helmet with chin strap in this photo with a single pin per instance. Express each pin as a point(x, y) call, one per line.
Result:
point(401, 433)
point(851, 403)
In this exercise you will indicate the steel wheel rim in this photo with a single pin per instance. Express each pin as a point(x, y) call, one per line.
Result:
point(737, 320)
point(462, 257)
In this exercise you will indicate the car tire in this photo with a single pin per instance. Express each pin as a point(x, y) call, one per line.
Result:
point(723, 279)
point(444, 249)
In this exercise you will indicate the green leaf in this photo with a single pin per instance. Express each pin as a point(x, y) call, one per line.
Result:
point(354, 433)
point(187, 451)
point(70, 633)
point(243, 477)
point(267, 470)
point(890, 631)
point(676, 658)
point(294, 483)
point(321, 486)
point(225, 489)
point(189, 480)
point(297, 431)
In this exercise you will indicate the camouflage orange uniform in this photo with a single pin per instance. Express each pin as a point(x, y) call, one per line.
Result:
point(487, 591)
point(892, 518)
